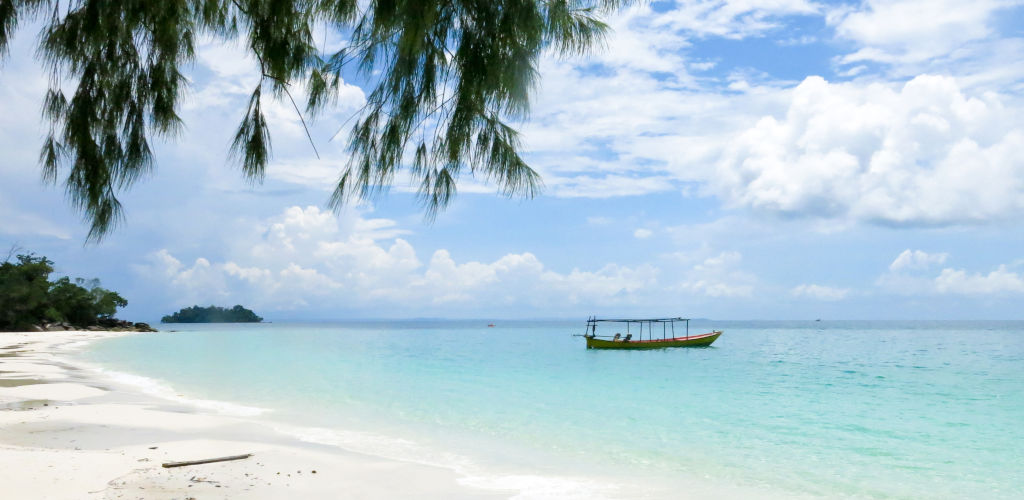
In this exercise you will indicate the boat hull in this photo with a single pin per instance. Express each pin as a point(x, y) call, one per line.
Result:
point(703, 340)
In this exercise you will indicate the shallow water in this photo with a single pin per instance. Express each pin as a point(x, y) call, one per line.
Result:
point(836, 409)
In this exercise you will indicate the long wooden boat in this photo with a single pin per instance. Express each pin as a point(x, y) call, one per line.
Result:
point(702, 340)
point(668, 337)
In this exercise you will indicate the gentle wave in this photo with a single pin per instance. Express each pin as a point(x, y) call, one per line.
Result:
point(807, 411)
point(527, 486)
point(521, 486)
point(163, 390)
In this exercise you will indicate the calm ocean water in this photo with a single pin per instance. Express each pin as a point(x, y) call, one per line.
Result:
point(787, 409)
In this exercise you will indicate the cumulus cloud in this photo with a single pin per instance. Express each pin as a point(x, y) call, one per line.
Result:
point(642, 233)
point(959, 281)
point(820, 292)
point(632, 120)
point(916, 150)
point(908, 31)
point(306, 257)
point(910, 274)
point(309, 259)
point(718, 276)
point(923, 151)
point(916, 259)
point(199, 282)
point(923, 154)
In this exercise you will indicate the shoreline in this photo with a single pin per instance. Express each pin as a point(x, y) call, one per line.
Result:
point(68, 433)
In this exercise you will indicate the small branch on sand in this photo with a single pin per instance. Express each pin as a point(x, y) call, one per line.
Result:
point(168, 465)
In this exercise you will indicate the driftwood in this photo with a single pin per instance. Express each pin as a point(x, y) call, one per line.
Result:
point(168, 465)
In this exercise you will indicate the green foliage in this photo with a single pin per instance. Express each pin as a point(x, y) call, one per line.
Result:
point(75, 304)
point(28, 297)
point(446, 75)
point(24, 291)
point(212, 314)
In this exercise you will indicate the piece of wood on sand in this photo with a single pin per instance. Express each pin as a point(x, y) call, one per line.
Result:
point(206, 461)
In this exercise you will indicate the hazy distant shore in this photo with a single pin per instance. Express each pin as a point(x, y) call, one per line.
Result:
point(66, 432)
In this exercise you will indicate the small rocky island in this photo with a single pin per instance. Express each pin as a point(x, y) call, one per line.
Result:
point(212, 314)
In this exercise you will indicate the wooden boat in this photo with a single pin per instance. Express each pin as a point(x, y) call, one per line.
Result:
point(668, 334)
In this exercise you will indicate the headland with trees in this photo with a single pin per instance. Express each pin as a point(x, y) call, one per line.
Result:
point(30, 301)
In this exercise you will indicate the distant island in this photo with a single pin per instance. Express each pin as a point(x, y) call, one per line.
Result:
point(212, 314)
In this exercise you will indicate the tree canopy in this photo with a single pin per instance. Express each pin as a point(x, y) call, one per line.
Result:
point(212, 314)
point(28, 297)
point(445, 79)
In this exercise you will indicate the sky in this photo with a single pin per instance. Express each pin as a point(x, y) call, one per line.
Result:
point(730, 159)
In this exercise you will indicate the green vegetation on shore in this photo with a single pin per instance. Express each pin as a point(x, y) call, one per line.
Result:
point(212, 314)
point(30, 301)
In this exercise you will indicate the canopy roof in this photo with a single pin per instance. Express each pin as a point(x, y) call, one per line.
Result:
point(666, 325)
point(652, 320)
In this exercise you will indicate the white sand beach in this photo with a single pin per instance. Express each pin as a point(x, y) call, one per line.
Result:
point(66, 432)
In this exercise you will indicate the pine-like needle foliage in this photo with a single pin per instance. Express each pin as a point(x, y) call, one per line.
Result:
point(446, 75)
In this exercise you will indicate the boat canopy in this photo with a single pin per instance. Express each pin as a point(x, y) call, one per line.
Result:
point(668, 327)
point(654, 320)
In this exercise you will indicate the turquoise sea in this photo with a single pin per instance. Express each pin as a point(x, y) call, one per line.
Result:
point(774, 409)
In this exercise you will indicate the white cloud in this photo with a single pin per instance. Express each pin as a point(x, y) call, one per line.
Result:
point(310, 172)
point(908, 31)
point(820, 292)
point(637, 44)
point(631, 120)
point(958, 281)
point(609, 186)
point(308, 258)
point(642, 233)
point(718, 276)
point(796, 41)
point(909, 275)
point(649, 41)
point(703, 66)
point(916, 151)
point(916, 259)
point(925, 154)
point(237, 73)
point(222, 84)
point(200, 283)
point(228, 60)
point(734, 18)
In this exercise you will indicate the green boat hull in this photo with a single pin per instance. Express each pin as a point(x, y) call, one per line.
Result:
point(703, 340)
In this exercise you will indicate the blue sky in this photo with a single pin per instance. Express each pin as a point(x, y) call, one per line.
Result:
point(725, 159)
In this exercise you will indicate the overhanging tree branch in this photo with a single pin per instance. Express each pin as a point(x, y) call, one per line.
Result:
point(121, 65)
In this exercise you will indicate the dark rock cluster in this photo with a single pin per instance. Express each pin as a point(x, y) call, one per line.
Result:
point(104, 324)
